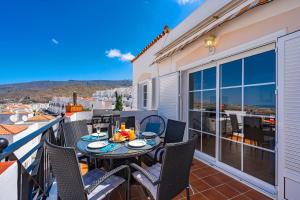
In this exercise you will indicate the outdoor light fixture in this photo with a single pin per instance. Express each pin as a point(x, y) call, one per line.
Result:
point(210, 43)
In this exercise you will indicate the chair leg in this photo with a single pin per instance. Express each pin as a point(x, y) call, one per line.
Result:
point(187, 190)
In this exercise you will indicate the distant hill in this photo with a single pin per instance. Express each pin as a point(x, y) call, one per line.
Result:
point(43, 91)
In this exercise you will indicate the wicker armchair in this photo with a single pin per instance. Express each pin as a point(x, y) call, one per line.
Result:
point(174, 134)
point(165, 181)
point(96, 184)
point(153, 123)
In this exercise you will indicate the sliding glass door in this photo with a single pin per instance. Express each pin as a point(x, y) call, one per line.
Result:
point(202, 109)
point(246, 113)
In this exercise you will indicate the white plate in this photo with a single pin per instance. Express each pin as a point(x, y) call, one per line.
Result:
point(148, 134)
point(137, 143)
point(101, 134)
point(98, 144)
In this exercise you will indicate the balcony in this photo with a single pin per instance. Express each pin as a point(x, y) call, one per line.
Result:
point(206, 181)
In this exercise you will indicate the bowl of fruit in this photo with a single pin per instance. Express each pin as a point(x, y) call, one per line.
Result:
point(118, 137)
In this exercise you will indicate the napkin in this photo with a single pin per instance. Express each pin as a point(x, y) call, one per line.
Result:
point(110, 147)
point(151, 142)
point(89, 138)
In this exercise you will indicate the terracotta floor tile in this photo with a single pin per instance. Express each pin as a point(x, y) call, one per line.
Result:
point(199, 185)
point(198, 197)
point(213, 194)
point(240, 197)
point(254, 195)
point(227, 191)
point(193, 177)
point(217, 179)
point(240, 187)
point(205, 171)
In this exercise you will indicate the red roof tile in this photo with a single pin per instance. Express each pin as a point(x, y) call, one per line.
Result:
point(6, 129)
point(5, 165)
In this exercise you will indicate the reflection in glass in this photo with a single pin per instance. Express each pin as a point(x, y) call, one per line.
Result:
point(259, 131)
point(195, 100)
point(230, 153)
point(231, 99)
point(231, 126)
point(209, 122)
point(231, 73)
point(198, 144)
point(260, 100)
point(208, 144)
point(260, 68)
point(209, 78)
point(195, 120)
point(195, 81)
point(259, 163)
point(209, 100)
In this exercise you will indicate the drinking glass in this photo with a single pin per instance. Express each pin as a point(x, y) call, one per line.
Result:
point(131, 134)
point(123, 126)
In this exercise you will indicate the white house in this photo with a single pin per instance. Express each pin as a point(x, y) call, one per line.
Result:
point(231, 71)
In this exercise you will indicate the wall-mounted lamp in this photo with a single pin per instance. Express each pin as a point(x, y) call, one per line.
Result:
point(210, 43)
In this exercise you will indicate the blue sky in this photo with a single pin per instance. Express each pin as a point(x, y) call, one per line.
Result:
point(72, 39)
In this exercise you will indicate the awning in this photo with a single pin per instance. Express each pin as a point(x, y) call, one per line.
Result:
point(239, 10)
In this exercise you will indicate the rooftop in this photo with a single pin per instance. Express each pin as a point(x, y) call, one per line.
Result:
point(40, 118)
point(11, 129)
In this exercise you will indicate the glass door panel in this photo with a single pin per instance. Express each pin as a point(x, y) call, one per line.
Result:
point(202, 109)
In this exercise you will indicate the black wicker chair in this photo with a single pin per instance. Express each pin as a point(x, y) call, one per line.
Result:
point(235, 125)
point(174, 134)
point(153, 123)
point(165, 181)
point(96, 184)
point(73, 131)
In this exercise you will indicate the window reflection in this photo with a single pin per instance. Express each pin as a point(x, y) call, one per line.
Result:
point(209, 144)
point(198, 143)
point(230, 153)
point(231, 73)
point(209, 100)
point(259, 131)
point(260, 68)
point(231, 99)
point(209, 122)
point(259, 163)
point(195, 100)
point(260, 100)
point(209, 78)
point(195, 120)
point(195, 81)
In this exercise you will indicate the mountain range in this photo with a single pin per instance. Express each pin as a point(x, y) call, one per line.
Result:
point(43, 91)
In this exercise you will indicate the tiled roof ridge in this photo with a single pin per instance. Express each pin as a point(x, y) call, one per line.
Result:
point(164, 32)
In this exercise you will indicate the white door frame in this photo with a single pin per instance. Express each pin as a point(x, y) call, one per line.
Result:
point(246, 178)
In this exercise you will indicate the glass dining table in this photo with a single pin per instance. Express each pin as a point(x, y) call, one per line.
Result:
point(116, 150)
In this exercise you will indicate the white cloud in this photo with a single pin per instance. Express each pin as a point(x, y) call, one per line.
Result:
point(127, 57)
point(116, 53)
point(55, 41)
point(113, 53)
point(184, 2)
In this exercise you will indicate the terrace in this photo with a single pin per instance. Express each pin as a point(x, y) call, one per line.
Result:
point(206, 181)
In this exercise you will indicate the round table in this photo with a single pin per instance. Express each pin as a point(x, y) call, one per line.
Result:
point(121, 151)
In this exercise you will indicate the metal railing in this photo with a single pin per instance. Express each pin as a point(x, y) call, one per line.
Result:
point(34, 181)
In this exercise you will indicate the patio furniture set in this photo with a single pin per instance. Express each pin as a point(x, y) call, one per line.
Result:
point(157, 158)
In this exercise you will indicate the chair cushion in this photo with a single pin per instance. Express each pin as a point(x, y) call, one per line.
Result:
point(153, 127)
point(105, 187)
point(139, 177)
point(151, 154)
